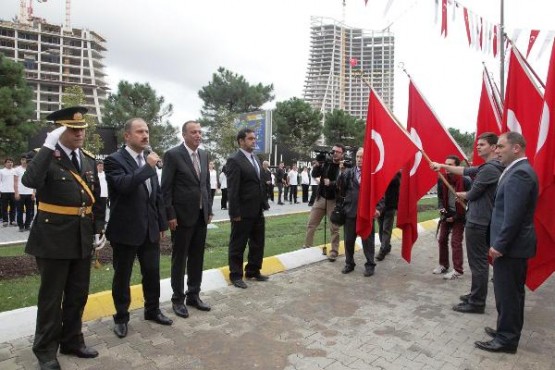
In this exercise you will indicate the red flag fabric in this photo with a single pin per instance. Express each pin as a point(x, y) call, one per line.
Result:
point(532, 40)
point(467, 26)
point(543, 264)
point(387, 148)
point(489, 116)
point(523, 103)
point(430, 135)
point(444, 18)
point(495, 41)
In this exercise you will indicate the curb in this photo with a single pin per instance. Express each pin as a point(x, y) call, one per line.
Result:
point(21, 322)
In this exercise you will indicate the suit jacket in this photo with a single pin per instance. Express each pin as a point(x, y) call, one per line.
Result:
point(349, 190)
point(182, 189)
point(134, 214)
point(246, 191)
point(512, 223)
point(59, 236)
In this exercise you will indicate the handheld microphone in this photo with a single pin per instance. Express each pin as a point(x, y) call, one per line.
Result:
point(147, 151)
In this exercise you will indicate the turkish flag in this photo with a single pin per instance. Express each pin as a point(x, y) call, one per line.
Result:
point(523, 103)
point(387, 148)
point(533, 37)
point(543, 264)
point(444, 18)
point(430, 136)
point(489, 115)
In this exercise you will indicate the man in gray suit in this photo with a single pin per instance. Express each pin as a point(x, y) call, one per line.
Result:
point(350, 187)
point(186, 190)
point(512, 241)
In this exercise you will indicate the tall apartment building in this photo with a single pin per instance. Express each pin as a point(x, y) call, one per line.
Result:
point(54, 58)
point(330, 79)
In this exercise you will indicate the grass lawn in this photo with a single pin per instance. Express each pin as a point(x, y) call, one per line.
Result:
point(283, 234)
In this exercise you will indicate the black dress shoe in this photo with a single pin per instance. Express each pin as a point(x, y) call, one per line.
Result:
point(369, 271)
point(81, 352)
point(466, 307)
point(258, 277)
point(380, 256)
point(180, 310)
point(196, 302)
point(491, 332)
point(159, 318)
point(347, 269)
point(49, 365)
point(465, 297)
point(239, 284)
point(120, 329)
point(494, 346)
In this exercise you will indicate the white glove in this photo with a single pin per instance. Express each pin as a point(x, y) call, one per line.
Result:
point(53, 137)
point(99, 241)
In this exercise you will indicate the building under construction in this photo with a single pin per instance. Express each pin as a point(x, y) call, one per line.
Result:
point(56, 57)
point(337, 53)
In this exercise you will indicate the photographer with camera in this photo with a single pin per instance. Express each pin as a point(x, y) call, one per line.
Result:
point(327, 169)
point(451, 221)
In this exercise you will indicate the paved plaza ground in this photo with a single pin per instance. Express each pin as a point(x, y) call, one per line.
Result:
point(313, 317)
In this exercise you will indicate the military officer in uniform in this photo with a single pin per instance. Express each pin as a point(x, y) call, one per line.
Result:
point(68, 227)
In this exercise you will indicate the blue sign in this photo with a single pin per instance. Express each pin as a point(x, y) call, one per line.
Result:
point(261, 123)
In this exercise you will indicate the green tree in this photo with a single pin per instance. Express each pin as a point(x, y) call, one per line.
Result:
point(140, 100)
point(16, 109)
point(74, 95)
point(232, 92)
point(229, 94)
point(464, 139)
point(341, 127)
point(223, 139)
point(297, 125)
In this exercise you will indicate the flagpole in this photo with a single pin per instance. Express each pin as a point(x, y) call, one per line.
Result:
point(449, 187)
point(502, 37)
point(494, 93)
point(529, 67)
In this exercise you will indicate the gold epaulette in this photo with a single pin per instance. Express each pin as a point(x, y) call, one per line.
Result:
point(88, 154)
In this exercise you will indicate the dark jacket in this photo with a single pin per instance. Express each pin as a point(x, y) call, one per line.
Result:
point(182, 189)
point(327, 171)
point(512, 222)
point(60, 236)
point(460, 184)
point(349, 189)
point(134, 215)
point(245, 190)
point(482, 192)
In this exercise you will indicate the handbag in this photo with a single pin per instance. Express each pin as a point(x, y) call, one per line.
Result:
point(337, 216)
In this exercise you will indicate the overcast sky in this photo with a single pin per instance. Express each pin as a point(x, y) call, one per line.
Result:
point(176, 45)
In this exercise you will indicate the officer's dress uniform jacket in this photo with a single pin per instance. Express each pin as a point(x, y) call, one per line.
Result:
point(61, 239)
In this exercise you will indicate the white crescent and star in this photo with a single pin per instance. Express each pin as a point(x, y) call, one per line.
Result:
point(544, 127)
point(418, 156)
point(512, 122)
point(379, 143)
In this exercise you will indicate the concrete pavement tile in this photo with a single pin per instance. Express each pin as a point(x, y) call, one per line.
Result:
point(13, 363)
point(6, 352)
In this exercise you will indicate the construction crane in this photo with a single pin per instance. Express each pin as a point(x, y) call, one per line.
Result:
point(26, 11)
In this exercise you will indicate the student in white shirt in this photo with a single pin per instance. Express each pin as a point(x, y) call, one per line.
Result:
point(25, 198)
point(7, 191)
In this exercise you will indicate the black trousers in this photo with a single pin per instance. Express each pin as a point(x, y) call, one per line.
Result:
point(123, 258)
point(368, 244)
point(305, 192)
point(188, 252)
point(25, 205)
point(477, 249)
point(285, 192)
point(313, 191)
point(293, 193)
point(280, 191)
point(8, 200)
point(385, 227)
point(510, 276)
point(251, 231)
point(63, 293)
point(212, 195)
point(224, 199)
point(270, 191)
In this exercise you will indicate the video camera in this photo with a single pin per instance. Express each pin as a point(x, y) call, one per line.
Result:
point(324, 156)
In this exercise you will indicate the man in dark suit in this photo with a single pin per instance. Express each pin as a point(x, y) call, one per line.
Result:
point(512, 240)
point(349, 184)
point(137, 222)
point(247, 201)
point(62, 236)
point(186, 190)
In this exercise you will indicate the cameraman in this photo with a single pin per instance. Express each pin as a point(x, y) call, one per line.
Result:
point(327, 169)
